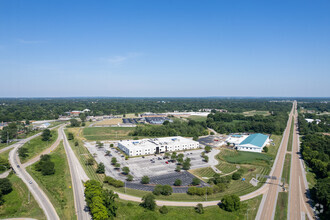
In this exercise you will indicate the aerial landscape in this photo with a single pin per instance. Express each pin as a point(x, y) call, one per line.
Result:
point(164, 110)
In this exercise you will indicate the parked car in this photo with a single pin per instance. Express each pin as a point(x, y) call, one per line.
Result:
point(166, 162)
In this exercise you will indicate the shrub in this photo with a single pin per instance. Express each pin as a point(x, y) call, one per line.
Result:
point(196, 181)
point(199, 208)
point(89, 162)
point(236, 176)
point(177, 182)
point(70, 136)
point(5, 186)
point(112, 181)
point(231, 203)
point(126, 170)
point(178, 168)
point(145, 180)
point(148, 202)
point(165, 190)
point(192, 190)
point(265, 149)
point(129, 178)
point(207, 149)
point(76, 143)
point(163, 210)
point(100, 168)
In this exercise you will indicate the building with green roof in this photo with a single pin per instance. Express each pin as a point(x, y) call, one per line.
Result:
point(253, 143)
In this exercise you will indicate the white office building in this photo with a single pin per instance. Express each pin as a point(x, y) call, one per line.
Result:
point(156, 145)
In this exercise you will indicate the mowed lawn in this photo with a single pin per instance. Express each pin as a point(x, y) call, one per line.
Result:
point(130, 210)
point(203, 172)
point(286, 168)
point(242, 157)
point(37, 145)
point(107, 133)
point(198, 118)
point(58, 186)
point(17, 202)
point(281, 206)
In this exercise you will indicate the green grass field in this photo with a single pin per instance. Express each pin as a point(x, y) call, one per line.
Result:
point(203, 172)
point(289, 148)
point(16, 202)
point(130, 210)
point(241, 157)
point(286, 168)
point(4, 156)
point(36, 146)
point(57, 186)
point(254, 112)
point(281, 206)
point(107, 133)
point(198, 118)
point(272, 150)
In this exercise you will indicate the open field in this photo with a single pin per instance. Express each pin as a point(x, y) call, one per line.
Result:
point(203, 172)
point(198, 118)
point(242, 157)
point(272, 150)
point(130, 210)
point(254, 112)
point(4, 157)
point(291, 136)
point(281, 206)
point(113, 121)
point(36, 146)
point(286, 168)
point(17, 203)
point(57, 186)
point(107, 133)
point(225, 167)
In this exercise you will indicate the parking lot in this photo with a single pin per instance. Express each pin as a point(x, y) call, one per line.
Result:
point(157, 168)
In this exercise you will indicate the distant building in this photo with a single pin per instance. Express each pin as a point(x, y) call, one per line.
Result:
point(41, 126)
point(253, 143)
point(309, 120)
point(75, 113)
point(156, 145)
point(3, 124)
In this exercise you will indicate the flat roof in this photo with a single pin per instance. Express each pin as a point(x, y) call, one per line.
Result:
point(154, 142)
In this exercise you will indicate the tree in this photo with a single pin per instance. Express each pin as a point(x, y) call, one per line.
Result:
point(163, 210)
point(173, 156)
point(199, 208)
point(167, 155)
point(90, 162)
point(46, 135)
point(195, 181)
point(148, 202)
point(76, 143)
point(70, 136)
point(113, 161)
point(99, 144)
point(82, 117)
point(74, 123)
point(129, 178)
point(100, 168)
point(117, 166)
point(145, 180)
point(178, 168)
point(231, 203)
point(166, 122)
point(265, 149)
point(23, 152)
point(126, 170)
point(186, 164)
point(111, 145)
point(206, 158)
point(109, 202)
point(207, 149)
point(27, 122)
point(177, 182)
point(236, 176)
point(5, 186)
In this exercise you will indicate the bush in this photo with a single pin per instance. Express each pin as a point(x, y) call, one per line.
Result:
point(178, 168)
point(165, 190)
point(5, 186)
point(89, 162)
point(112, 181)
point(148, 202)
point(236, 176)
point(265, 149)
point(70, 136)
point(207, 149)
point(100, 168)
point(196, 181)
point(145, 180)
point(76, 143)
point(45, 165)
point(192, 190)
point(126, 170)
point(199, 208)
point(46, 135)
point(177, 182)
point(163, 210)
point(231, 203)
point(129, 178)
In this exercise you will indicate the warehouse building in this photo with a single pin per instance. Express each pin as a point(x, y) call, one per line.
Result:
point(253, 143)
point(156, 145)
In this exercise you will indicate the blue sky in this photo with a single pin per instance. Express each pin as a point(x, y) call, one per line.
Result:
point(164, 48)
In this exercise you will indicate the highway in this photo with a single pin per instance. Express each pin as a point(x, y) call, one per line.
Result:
point(78, 176)
point(298, 203)
point(268, 203)
point(36, 191)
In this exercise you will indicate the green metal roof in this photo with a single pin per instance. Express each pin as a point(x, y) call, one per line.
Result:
point(255, 139)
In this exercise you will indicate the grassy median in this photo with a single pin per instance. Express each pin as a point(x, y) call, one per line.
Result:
point(282, 206)
point(289, 148)
point(286, 168)
point(17, 202)
point(58, 186)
